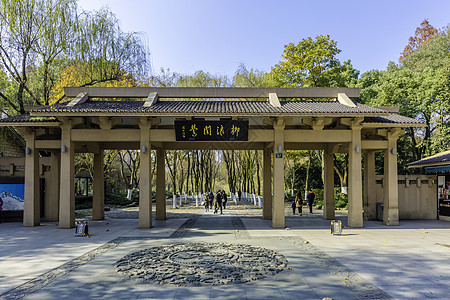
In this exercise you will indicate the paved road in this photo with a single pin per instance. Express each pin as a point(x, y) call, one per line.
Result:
point(410, 261)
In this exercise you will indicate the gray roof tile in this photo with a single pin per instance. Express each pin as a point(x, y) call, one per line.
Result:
point(211, 107)
point(443, 157)
point(26, 118)
point(392, 118)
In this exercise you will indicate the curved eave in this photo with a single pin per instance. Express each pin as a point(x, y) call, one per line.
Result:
point(444, 163)
point(389, 124)
point(30, 124)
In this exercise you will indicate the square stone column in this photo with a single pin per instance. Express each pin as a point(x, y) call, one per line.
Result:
point(267, 184)
point(370, 193)
point(145, 181)
point(53, 187)
point(328, 189)
point(98, 199)
point(31, 211)
point(67, 181)
point(278, 210)
point(160, 185)
point(390, 183)
point(355, 201)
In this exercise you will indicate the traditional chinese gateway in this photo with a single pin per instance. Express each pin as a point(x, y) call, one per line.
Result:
point(225, 118)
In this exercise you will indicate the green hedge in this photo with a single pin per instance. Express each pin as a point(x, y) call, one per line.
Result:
point(118, 199)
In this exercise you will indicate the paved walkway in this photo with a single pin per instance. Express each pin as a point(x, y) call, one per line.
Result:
point(410, 261)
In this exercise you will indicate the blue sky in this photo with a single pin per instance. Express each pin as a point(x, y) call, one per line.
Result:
point(217, 36)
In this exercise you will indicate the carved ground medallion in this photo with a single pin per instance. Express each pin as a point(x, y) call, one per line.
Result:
point(197, 264)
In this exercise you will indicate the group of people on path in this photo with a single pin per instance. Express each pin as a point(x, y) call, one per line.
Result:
point(217, 201)
point(298, 202)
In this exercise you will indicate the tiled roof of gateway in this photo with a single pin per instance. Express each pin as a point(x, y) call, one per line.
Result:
point(392, 118)
point(443, 158)
point(210, 107)
point(26, 118)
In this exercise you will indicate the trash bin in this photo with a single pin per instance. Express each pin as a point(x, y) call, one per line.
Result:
point(380, 211)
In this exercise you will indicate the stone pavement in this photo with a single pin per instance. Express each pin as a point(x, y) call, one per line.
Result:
point(410, 261)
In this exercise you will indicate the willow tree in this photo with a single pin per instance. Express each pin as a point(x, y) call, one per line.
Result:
point(104, 55)
point(39, 39)
point(22, 30)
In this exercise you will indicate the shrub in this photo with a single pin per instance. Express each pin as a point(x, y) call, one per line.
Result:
point(117, 199)
point(340, 200)
point(289, 198)
point(318, 200)
point(86, 205)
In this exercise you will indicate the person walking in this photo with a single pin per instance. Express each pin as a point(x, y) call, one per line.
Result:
point(239, 195)
point(224, 199)
point(298, 203)
point(218, 202)
point(211, 200)
point(206, 201)
point(310, 197)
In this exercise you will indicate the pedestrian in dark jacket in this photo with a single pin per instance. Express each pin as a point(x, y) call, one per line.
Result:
point(310, 197)
point(224, 199)
point(211, 200)
point(218, 202)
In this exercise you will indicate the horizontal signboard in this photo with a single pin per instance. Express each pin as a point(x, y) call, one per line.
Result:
point(199, 130)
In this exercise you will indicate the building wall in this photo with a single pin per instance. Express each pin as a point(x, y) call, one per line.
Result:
point(417, 196)
point(10, 149)
point(48, 169)
point(11, 143)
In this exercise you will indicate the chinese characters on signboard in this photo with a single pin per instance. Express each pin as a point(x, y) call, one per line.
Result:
point(199, 130)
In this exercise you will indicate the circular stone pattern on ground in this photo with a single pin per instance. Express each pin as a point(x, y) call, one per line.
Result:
point(200, 264)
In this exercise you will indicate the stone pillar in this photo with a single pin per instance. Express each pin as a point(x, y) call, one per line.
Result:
point(67, 179)
point(52, 187)
point(390, 183)
point(370, 196)
point(278, 211)
point(267, 184)
point(98, 199)
point(160, 185)
point(145, 181)
point(328, 189)
point(355, 216)
point(31, 211)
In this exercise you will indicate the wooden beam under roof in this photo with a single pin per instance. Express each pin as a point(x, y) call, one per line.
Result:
point(212, 92)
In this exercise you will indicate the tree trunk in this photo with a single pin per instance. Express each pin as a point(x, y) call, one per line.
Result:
point(307, 172)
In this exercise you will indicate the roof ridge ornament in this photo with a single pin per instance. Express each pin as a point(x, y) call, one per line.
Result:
point(79, 99)
point(345, 100)
point(273, 100)
point(151, 99)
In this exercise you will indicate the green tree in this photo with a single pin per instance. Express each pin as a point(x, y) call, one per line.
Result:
point(419, 85)
point(244, 77)
point(310, 63)
point(313, 63)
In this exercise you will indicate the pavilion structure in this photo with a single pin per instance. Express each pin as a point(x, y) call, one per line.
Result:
point(172, 118)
